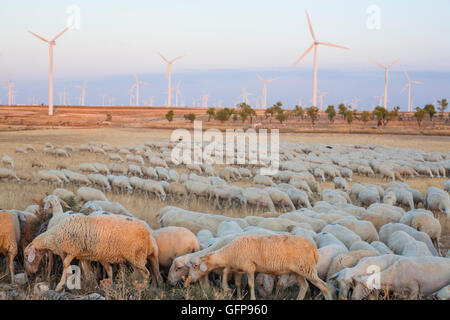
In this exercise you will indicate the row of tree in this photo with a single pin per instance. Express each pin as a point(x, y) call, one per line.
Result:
point(382, 115)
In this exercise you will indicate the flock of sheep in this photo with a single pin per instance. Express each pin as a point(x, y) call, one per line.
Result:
point(333, 238)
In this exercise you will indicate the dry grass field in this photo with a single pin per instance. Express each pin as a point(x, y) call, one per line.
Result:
point(19, 196)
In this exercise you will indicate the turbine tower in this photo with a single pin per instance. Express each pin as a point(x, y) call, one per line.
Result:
point(245, 95)
point(51, 43)
point(169, 74)
point(386, 78)
point(205, 100)
point(321, 95)
point(10, 85)
point(315, 45)
point(408, 85)
point(136, 85)
point(177, 93)
point(83, 92)
point(264, 92)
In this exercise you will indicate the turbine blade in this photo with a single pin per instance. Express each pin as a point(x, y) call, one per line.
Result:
point(303, 55)
point(380, 65)
point(406, 86)
point(394, 63)
point(177, 58)
point(310, 26)
point(417, 82)
point(333, 45)
point(407, 76)
point(259, 77)
point(273, 79)
point(61, 33)
point(164, 58)
point(39, 37)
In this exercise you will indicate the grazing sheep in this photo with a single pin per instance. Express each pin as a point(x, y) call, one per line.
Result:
point(326, 255)
point(115, 157)
point(369, 196)
point(76, 178)
point(100, 180)
point(37, 163)
point(344, 234)
point(121, 183)
point(276, 254)
point(9, 238)
point(113, 207)
point(280, 198)
point(347, 173)
point(134, 170)
point(106, 239)
point(87, 168)
point(101, 168)
point(447, 186)
point(177, 190)
point(174, 242)
point(381, 214)
point(259, 198)
point(116, 168)
point(8, 174)
point(44, 175)
point(438, 200)
point(364, 229)
point(90, 194)
point(340, 183)
point(263, 180)
point(403, 244)
point(8, 162)
point(60, 152)
point(30, 148)
point(63, 193)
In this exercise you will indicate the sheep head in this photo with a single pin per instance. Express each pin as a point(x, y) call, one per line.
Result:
point(33, 258)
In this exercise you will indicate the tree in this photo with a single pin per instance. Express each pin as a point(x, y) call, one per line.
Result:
point(349, 116)
point(429, 108)
point(365, 116)
point(243, 115)
point(313, 113)
point(222, 115)
point(211, 113)
point(419, 115)
point(235, 117)
point(247, 110)
point(442, 106)
point(299, 112)
point(282, 116)
point(190, 116)
point(273, 109)
point(342, 110)
point(331, 113)
point(169, 115)
point(382, 116)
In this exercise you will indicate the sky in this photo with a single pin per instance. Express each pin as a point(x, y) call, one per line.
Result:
point(225, 44)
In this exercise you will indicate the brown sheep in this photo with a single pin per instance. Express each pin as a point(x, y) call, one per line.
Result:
point(275, 254)
point(9, 238)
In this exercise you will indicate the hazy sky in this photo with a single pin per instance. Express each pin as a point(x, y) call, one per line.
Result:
point(225, 43)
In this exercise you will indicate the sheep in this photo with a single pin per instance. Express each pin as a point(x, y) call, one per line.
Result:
point(380, 214)
point(9, 238)
point(443, 294)
point(390, 198)
point(101, 168)
point(344, 234)
point(398, 277)
point(227, 193)
point(8, 174)
point(30, 148)
point(63, 193)
point(335, 196)
point(362, 245)
point(163, 173)
point(115, 157)
point(90, 194)
point(100, 180)
point(326, 255)
point(174, 242)
point(155, 188)
point(340, 183)
point(364, 229)
point(245, 173)
point(298, 197)
point(116, 168)
point(60, 152)
point(69, 148)
point(134, 170)
point(369, 195)
point(324, 239)
point(381, 247)
point(301, 185)
point(347, 173)
point(173, 175)
point(319, 173)
point(403, 244)
point(87, 168)
point(85, 148)
point(263, 180)
point(228, 174)
point(438, 200)
point(113, 207)
point(44, 175)
point(342, 261)
point(120, 183)
point(149, 173)
point(316, 224)
point(280, 198)
point(423, 220)
point(135, 159)
point(20, 150)
point(355, 190)
point(98, 150)
point(276, 254)
point(390, 228)
point(258, 197)
point(76, 178)
point(447, 186)
point(37, 163)
point(8, 162)
point(107, 239)
point(198, 189)
point(365, 170)
point(403, 197)
point(177, 190)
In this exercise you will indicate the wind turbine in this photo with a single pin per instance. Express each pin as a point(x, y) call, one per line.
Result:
point(354, 102)
point(386, 81)
point(130, 93)
point(245, 95)
point(169, 74)
point(321, 95)
point(51, 43)
point(10, 85)
point(315, 45)
point(136, 84)
point(83, 92)
point(264, 92)
point(380, 99)
point(177, 93)
point(205, 100)
point(408, 85)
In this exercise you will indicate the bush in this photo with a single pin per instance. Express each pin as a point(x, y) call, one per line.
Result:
point(211, 112)
point(190, 116)
point(169, 115)
point(222, 115)
point(108, 117)
point(331, 113)
point(365, 116)
point(313, 114)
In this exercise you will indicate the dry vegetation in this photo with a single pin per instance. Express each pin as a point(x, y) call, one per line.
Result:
point(19, 196)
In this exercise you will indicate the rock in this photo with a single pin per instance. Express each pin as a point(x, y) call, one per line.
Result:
point(13, 293)
point(53, 295)
point(21, 279)
point(92, 296)
point(40, 288)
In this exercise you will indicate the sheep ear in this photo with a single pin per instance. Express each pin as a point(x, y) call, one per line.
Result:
point(203, 267)
point(32, 255)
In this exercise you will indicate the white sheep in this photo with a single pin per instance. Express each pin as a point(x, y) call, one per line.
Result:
point(403, 244)
point(423, 220)
point(8, 162)
point(100, 180)
point(87, 168)
point(8, 174)
point(438, 200)
point(340, 183)
point(258, 198)
point(90, 194)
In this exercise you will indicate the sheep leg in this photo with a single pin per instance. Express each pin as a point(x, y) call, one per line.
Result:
point(204, 282)
point(142, 270)
point(154, 264)
point(251, 284)
point(238, 283)
point(302, 285)
point(50, 265)
point(66, 265)
point(436, 245)
point(317, 282)
point(225, 273)
point(108, 269)
point(11, 267)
